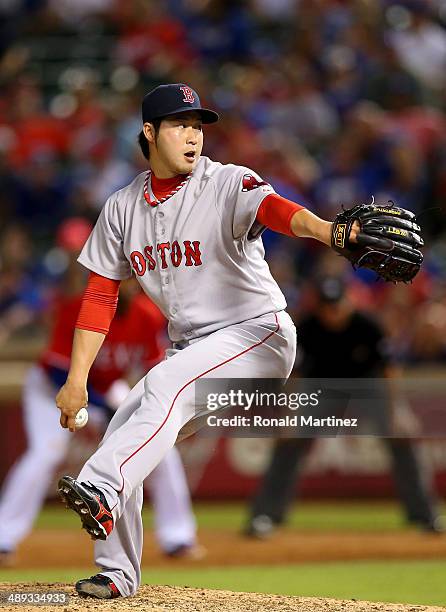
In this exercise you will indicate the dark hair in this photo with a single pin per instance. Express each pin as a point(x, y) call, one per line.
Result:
point(142, 140)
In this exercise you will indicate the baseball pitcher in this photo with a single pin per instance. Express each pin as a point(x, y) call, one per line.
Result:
point(189, 229)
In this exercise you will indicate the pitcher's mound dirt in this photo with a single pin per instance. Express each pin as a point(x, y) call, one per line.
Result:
point(183, 599)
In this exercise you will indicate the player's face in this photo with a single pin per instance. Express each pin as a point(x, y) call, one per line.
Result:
point(178, 146)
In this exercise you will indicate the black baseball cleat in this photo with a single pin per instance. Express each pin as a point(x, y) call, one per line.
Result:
point(98, 586)
point(90, 504)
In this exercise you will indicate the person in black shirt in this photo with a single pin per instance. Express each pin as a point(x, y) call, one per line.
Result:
point(338, 341)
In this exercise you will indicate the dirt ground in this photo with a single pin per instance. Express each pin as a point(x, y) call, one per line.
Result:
point(50, 548)
point(176, 599)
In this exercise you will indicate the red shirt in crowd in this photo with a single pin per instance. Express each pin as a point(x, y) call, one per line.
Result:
point(134, 343)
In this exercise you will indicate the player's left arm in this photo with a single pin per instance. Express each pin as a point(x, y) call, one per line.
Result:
point(256, 206)
point(382, 238)
point(287, 217)
point(305, 224)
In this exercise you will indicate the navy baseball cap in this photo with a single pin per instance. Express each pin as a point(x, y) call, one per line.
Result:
point(171, 99)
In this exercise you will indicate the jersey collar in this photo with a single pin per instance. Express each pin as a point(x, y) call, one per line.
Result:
point(153, 201)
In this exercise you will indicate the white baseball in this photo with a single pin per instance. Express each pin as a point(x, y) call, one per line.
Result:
point(81, 418)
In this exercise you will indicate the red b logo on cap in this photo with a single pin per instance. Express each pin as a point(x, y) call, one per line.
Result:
point(188, 94)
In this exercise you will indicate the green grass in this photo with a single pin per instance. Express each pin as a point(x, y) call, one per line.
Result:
point(414, 582)
point(320, 516)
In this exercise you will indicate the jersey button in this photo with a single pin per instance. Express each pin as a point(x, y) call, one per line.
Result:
point(188, 333)
point(166, 281)
point(161, 214)
point(174, 311)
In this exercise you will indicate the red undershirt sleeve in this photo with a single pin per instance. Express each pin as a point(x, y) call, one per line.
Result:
point(276, 213)
point(98, 304)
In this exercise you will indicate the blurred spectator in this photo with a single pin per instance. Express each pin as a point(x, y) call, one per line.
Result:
point(151, 40)
point(21, 301)
point(220, 29)
point(36, 131)
point(41, 197)
point(7, 182)
point(421, 43)
point(304, 112)
point(74, 13)
point(369, 160)
point(275, 10)
point(101, 173)
point(84, 113)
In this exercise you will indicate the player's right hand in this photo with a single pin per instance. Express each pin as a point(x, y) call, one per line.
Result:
point(70, 399)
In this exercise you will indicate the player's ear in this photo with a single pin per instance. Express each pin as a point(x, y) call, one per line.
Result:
point(149, 132)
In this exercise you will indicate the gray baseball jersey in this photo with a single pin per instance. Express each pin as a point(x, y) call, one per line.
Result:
point(198, 255)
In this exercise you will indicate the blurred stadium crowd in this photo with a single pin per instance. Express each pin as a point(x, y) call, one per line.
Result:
point(332, 101)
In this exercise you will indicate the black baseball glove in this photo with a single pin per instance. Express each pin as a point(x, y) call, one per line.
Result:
point(388, 243)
